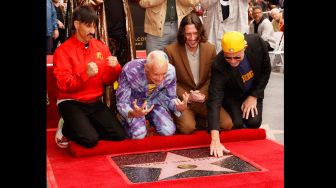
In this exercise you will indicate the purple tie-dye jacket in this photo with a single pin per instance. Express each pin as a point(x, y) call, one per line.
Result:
point(133, 84)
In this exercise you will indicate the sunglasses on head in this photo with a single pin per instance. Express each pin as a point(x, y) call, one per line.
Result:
point(236, 57)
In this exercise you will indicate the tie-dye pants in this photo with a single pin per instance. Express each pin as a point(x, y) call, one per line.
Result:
point(159, 117)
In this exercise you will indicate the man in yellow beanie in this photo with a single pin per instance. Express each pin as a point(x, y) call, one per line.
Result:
point(239, 75)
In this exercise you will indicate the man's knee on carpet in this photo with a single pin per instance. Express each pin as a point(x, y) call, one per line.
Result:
point(187, 129)
point(137, 130)
point(161, 118)
point(254, 122)
point(238, 123)
point(116, 136)
point(139, 136)
point(185, 124)
point(225, 126)
point(166, 130)
point(225, 121)
point(114, 132)
point(88, 142)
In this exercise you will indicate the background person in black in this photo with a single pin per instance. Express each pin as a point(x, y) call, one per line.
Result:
point(120, 30)
point(239, 75)
point(120, 34)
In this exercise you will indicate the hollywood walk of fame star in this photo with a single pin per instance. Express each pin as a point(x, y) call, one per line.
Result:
point(175, 164)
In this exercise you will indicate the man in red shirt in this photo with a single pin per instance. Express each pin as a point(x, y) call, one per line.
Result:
point(83, 66)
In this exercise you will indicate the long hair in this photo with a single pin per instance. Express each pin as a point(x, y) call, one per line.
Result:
point(191, 18)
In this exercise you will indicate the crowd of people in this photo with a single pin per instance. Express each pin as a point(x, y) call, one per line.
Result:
point(203, 71)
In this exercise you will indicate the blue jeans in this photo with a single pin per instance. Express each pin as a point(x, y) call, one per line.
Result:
point(159, 43)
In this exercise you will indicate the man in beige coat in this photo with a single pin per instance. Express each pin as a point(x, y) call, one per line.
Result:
point(192, 56)
point(223, 16)
point(162, 18)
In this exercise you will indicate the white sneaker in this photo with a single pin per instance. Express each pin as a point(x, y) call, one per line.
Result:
point(60, 140)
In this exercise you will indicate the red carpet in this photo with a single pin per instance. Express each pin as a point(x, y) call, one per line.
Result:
point(81, 167)
point(52, 113)
point(64, 170)
point(141, 54)
point(164, 142)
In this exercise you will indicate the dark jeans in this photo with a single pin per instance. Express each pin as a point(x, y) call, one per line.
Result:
point(233, 107)
point(49, 45)
point(86, 123)
point(60, 38)
point(119, 47)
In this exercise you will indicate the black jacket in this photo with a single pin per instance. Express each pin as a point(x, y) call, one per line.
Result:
point(226, 82)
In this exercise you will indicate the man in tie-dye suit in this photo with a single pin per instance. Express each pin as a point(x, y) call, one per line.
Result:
point(147, 90)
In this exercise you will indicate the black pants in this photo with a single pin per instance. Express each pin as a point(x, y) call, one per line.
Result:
point(49, 43)
point(269, 46)
point(119, 47)
point(60, 38)
point(86, 123)
point(233, 107)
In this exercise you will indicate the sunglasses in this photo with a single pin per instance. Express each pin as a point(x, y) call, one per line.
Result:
point(236, 58)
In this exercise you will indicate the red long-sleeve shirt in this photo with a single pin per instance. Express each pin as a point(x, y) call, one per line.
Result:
point(70, 64)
